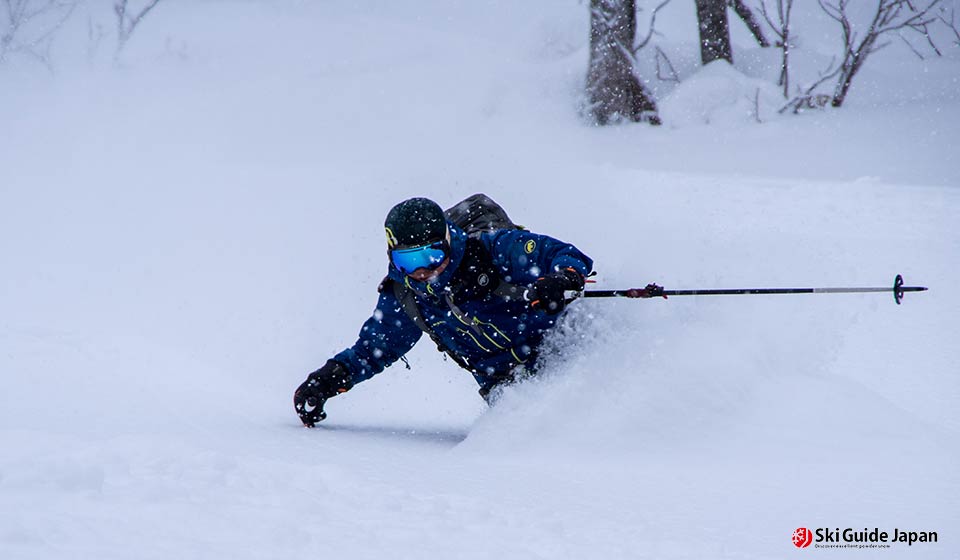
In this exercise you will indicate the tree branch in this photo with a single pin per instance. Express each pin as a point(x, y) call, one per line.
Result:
point(127, 24)
point(911, 47)
point(777, 29)
point(28, 29)
point(807, 97)
point(674, 77)
point(652, 30)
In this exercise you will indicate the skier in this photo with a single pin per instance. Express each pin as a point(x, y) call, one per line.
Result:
point(485, 293)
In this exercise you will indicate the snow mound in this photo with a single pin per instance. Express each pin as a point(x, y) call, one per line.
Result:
point(720, 94)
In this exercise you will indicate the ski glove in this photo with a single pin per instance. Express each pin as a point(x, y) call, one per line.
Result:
point(651, 291)
point(328, 381)
point(547, 293)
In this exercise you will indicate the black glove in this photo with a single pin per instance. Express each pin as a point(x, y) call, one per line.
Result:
point(547, 293)
point(328, 381)
point(652, 291)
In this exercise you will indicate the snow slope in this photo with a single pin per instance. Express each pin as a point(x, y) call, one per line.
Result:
point(186, 236)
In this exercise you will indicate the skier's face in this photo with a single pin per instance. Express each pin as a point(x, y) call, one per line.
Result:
point(426, 274)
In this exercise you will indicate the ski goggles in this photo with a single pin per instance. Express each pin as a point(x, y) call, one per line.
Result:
point(426, 256)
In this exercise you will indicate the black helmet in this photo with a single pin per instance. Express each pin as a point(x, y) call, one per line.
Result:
point(415, 222)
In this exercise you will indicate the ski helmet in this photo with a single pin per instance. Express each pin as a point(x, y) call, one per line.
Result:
point(415, 222)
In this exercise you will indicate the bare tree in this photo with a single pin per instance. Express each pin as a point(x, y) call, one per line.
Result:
point(714, 31)
point(27, 27)
point(614, 93)
point(951, 24)
point(746, 14)
point(781, 28)
point(128, 19)
point(890, 16)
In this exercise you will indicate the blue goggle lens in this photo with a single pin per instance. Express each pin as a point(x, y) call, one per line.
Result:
point(428, 256)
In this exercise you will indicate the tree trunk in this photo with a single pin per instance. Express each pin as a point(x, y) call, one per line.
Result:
point(714, 31)
point(848, 71)
point(746, 15)
point(853, 61)
point(613, 91)
point(785, 64)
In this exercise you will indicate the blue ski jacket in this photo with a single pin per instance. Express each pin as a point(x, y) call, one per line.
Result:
point(504, 332)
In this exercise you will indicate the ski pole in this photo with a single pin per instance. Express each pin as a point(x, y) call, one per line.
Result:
point(653, 290)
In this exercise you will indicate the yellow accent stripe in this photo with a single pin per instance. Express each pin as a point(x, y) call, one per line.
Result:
point(479, 323)
point(519, 359)
point(484, 333)
point(494, 327)
point(475, 341)
point(459, 319)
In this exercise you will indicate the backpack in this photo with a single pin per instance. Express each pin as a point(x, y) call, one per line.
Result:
point(477, 214)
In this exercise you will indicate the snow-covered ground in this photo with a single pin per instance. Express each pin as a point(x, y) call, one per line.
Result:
point(186, 236)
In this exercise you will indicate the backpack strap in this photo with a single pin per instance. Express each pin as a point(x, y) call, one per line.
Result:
point(405, 296)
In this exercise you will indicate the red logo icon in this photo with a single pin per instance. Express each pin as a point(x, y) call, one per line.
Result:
point(802, 537)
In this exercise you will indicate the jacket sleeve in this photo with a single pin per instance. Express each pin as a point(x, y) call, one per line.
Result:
point(384, 338)
point(524, 256)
